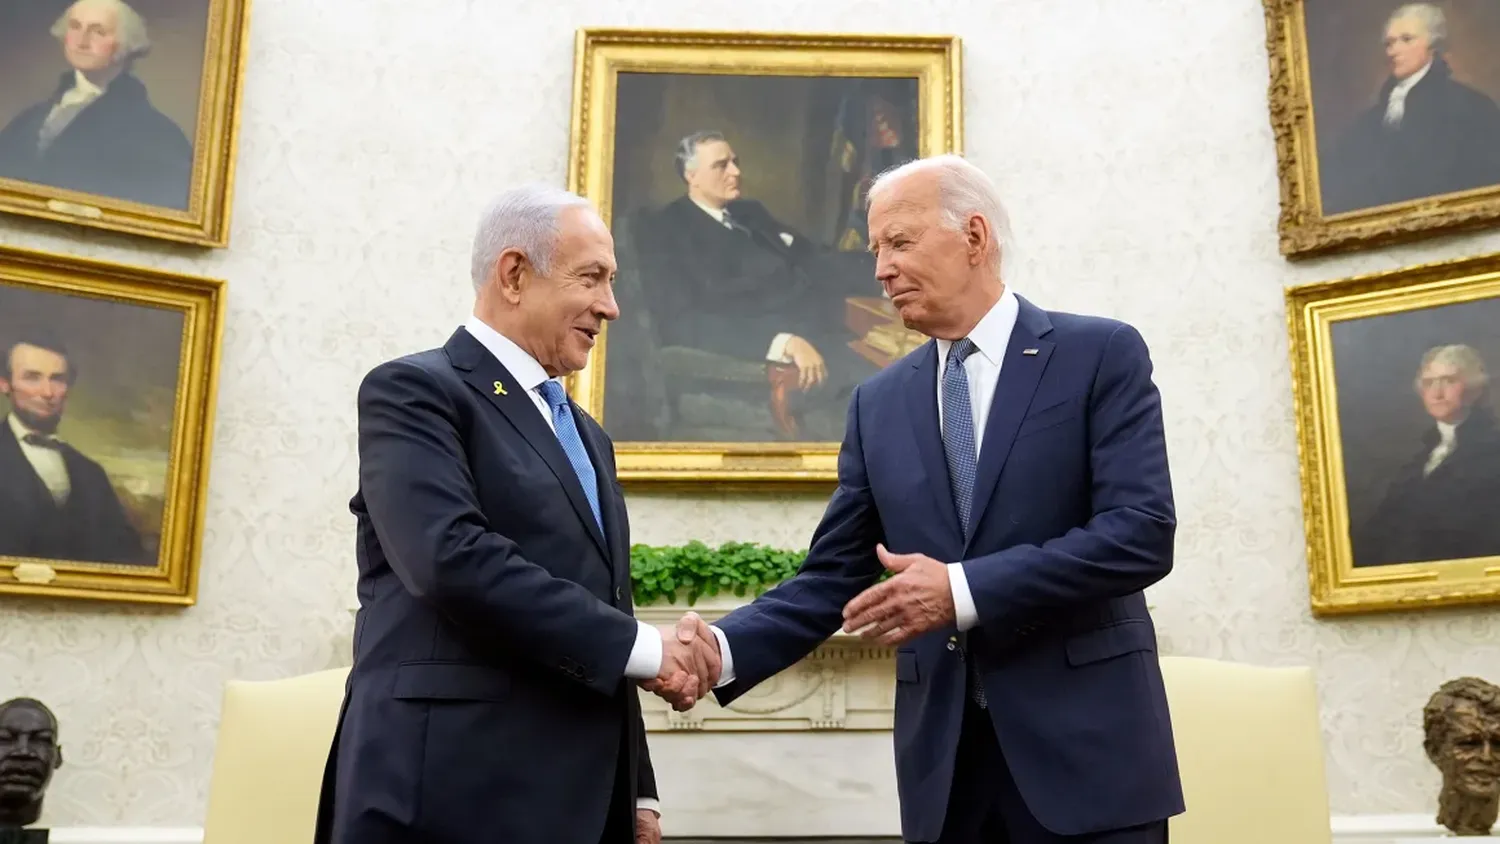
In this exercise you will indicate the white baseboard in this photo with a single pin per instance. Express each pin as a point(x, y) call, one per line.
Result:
point(1354, 829)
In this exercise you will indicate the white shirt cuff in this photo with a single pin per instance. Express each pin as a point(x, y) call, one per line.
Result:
point(777, 352)
point(726, 673)
point(645, 657)
point(964, 611)
point(649, 803)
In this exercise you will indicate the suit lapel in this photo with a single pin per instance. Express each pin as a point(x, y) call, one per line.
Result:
point(610, 505)
point(493, 381)
point(1026, 357)
point(921, 407)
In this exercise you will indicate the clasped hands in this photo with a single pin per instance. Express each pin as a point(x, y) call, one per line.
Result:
point(916, 599)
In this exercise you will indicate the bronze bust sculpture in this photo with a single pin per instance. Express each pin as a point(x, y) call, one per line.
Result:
point(29, 753)
point(1462, 726)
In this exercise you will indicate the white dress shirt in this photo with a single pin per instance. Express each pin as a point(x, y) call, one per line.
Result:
point(47, 462)
point(777, 352)
point(991, 336)
point(646, 656)
point(1395, 106)
point(1447, 441)
point(69, 105)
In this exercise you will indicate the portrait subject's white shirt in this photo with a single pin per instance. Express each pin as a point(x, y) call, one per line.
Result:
point(991, 337)
point(73, 101)
point(1447, 440)
point(645, 657)
point(47, 462)
point(777, 352)
point(1395, 107)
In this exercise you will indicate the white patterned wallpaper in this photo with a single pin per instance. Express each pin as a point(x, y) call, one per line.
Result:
point(1131, 138)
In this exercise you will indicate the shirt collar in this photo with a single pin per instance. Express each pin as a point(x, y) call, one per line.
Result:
point(83, 84)
point(716, 213)
point(1406, 84)
point(522, 366)
point(992, 334)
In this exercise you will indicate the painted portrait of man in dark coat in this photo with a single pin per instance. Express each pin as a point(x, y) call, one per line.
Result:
point(1425, 134)
point(99, 132)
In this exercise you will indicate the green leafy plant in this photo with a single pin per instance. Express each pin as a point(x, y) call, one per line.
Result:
point(661, 574)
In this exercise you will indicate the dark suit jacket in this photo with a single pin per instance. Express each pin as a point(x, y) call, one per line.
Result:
point(119, 146)
point(1448, 141)
point(1072, 518)
point(90, 527)
point(487, 700)
point(1447, 515)
point(712, 288)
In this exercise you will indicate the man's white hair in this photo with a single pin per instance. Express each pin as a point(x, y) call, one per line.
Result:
point(130, 28)
point(1432, 19)
point(525, 219)
point(963, 190)
point(1465, 359)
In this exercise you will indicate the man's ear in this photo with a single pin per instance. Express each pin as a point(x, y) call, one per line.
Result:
point(511, 271)
point(978, 235)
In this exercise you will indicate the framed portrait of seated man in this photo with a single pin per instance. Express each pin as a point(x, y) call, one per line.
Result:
point(1387, 119)
point(122, 114)
point(108, 377)
point(732, 170)
point(1395, 383)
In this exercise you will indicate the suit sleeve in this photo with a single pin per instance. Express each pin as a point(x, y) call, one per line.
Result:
point(415, 481)
point(646, 795)
point(792, 619)
point(1127, 543)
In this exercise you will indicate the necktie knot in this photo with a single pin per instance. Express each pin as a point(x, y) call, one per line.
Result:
point(554, 394)
point(960, 351)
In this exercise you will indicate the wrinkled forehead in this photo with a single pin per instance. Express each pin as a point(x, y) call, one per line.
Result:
point(1442, 369)
point(20, 718)
point(582, 236)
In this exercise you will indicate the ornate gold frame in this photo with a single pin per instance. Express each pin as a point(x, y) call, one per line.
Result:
point(1312, 309)
point(600, 55)
point(1304, 230)
point(201, 301)
point(205, 222)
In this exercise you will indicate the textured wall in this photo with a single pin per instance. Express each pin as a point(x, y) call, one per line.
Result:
point(1132, 140)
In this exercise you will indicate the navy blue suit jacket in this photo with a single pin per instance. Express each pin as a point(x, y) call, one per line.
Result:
point(487, 700)
point(1073, 518)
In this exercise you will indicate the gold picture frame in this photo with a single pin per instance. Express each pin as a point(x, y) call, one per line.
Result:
point(1395, 518)
point(208, 120)
point(1330, 68)
point(137, 351)
point(928, 65)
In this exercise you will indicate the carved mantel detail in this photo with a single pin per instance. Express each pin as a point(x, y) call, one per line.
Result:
point(846, 684)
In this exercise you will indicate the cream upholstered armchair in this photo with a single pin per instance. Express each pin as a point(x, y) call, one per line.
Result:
point(1251, 751)
point(268, 764)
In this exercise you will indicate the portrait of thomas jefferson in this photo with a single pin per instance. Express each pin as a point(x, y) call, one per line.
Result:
point(1425, 130)
point(98, 130)
point(1443, 501)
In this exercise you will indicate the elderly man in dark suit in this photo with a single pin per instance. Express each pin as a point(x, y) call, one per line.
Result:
point(55, 503)
point(98, 132)
point(1012, 474)
point(723, 274)
point(493, 695)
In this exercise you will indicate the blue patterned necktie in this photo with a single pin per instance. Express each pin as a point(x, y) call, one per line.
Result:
point(963, 459)
point(572, 444)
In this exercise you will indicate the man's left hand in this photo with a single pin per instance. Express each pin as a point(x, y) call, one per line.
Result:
point(917, 599)
point(647, 827)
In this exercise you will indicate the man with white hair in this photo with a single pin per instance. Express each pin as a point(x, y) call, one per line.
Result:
point(1426, 134)
point(1012, 475)
point(493, 695)
point(98, 133)
point(1440, 504)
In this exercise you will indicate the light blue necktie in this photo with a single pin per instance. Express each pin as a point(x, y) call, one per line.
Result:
point(963, 458)
point(572, 444)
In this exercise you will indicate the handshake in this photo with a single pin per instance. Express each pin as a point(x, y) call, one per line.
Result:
point(690, 663)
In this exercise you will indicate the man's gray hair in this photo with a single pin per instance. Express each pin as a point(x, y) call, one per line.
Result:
point(1432, 19)
point(1465, 359)
point(687, 149)
point(963, 190)
point(525, 219)
point(130, 28)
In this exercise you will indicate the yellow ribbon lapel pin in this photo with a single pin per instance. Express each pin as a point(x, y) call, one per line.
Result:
point(500, 389)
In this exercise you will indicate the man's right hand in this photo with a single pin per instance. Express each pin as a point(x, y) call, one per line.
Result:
point(690, 664)
point(811, 369)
